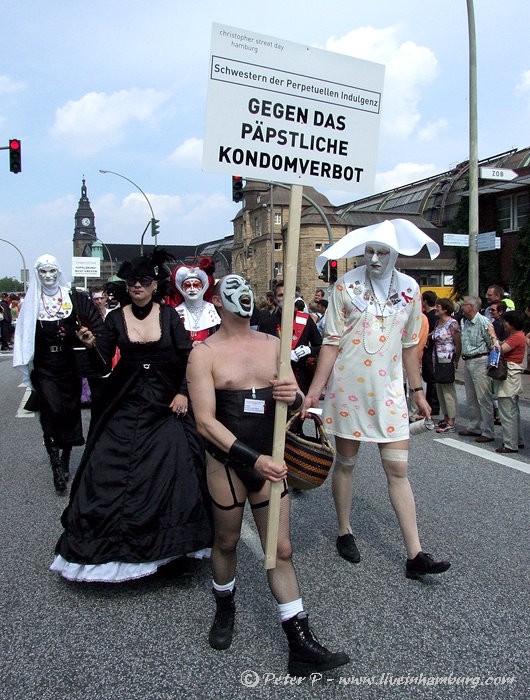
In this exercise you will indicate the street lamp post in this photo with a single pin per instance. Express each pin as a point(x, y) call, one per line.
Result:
point(24, 277)
point(110, 256)
point(153, 223)
point(473, 268)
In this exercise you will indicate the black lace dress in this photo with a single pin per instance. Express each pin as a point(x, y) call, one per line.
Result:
point(139, 497)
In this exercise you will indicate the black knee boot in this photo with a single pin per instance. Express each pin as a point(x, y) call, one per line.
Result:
point(55, 460)
point(222, 630)
point(306, 654)
point(65, 462)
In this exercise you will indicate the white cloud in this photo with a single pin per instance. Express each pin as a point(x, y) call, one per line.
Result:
point(184, 219)
point(98, 120)
point(9, 85)
point(189, 153)
point(402, 174)
point(523, 87)
point(432, 130)
point(408, 68)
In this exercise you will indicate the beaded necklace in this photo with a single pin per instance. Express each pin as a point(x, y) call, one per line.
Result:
point(383, 338)
point(54, 309)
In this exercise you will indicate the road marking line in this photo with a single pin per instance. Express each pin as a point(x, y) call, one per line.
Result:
point(485, 454)
point(22, 413)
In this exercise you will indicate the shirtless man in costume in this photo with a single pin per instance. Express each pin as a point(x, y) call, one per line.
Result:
point(233, 384)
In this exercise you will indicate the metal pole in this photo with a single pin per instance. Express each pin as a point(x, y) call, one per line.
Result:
point(473, 267)
point(139, 190)
point(110, 256)
point(24, 280)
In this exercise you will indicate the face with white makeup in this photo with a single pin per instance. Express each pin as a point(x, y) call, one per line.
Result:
point(48, 275)
point(236, 296)
point(379, 259)
point(192, 289)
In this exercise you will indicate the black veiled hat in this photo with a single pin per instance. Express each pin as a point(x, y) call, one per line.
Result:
point(155, 265)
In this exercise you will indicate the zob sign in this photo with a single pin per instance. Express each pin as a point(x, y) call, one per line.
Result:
point(291, 113)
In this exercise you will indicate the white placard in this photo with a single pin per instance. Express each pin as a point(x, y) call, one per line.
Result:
point(285, 112)
point(86, 267)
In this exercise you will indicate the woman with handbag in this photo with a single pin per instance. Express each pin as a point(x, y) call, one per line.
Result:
point(513, 350)
point(447, 348)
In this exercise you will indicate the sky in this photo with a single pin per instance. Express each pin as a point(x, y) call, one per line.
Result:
point(122, 86)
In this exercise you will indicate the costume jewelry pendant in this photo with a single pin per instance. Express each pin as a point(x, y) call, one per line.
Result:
point(371, 296)
point(52, 305)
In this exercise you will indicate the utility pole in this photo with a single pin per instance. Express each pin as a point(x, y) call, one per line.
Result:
point(473, 155)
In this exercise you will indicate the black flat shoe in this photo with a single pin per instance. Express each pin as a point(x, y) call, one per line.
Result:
point(347, 548)
point(423, 564)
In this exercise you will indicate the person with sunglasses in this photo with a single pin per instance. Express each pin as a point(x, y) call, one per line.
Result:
point(139, 498)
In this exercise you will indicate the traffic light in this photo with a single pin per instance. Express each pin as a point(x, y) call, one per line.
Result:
point(15, 156)
point(332, 271)
point(237, 188)
point(324, 275)
point(155, 228)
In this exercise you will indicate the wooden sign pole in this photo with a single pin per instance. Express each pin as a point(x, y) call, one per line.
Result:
point(280, 417)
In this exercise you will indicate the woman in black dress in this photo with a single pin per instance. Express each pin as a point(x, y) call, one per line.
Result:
point(139, 498)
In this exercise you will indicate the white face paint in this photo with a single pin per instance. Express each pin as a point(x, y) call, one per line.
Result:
point(48, 276)
point(379, 260)
point(192, 289)
point(236, 295)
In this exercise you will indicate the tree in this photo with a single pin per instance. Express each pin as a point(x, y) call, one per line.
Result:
point(10, 284)
point(519, 286)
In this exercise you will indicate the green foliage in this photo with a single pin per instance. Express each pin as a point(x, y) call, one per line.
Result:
point(520, 284)
point(10, 284)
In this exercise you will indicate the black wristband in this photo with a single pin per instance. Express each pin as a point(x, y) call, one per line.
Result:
point(243, 454)
point(297, 402)
point(413, 391)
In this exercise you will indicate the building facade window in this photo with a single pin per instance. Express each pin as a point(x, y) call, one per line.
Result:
point(278, 245)
point(277, 219)
point(256, 226)
point(512, 211)
point(319, 247)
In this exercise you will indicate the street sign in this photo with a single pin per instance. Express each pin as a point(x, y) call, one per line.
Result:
point(290, 113)
point(487, 241)
point(456, 239)
point(497, 174)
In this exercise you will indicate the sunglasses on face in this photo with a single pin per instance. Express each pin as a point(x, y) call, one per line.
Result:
point(145, 281)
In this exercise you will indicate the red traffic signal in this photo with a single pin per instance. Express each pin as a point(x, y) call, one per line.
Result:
point(333, 271)
point(237, 188)
point(15, 156)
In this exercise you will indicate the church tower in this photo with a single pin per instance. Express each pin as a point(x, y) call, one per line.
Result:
point(85, 226)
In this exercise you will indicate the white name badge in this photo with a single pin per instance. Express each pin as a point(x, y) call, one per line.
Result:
point(254, 406)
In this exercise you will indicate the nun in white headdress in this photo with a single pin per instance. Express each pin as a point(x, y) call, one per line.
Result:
point(48, 330)
point(373, 322)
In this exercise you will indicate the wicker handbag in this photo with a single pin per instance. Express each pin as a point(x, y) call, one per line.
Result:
point(308, 458)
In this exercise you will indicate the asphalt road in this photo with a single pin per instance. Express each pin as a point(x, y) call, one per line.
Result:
point(462, 634)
